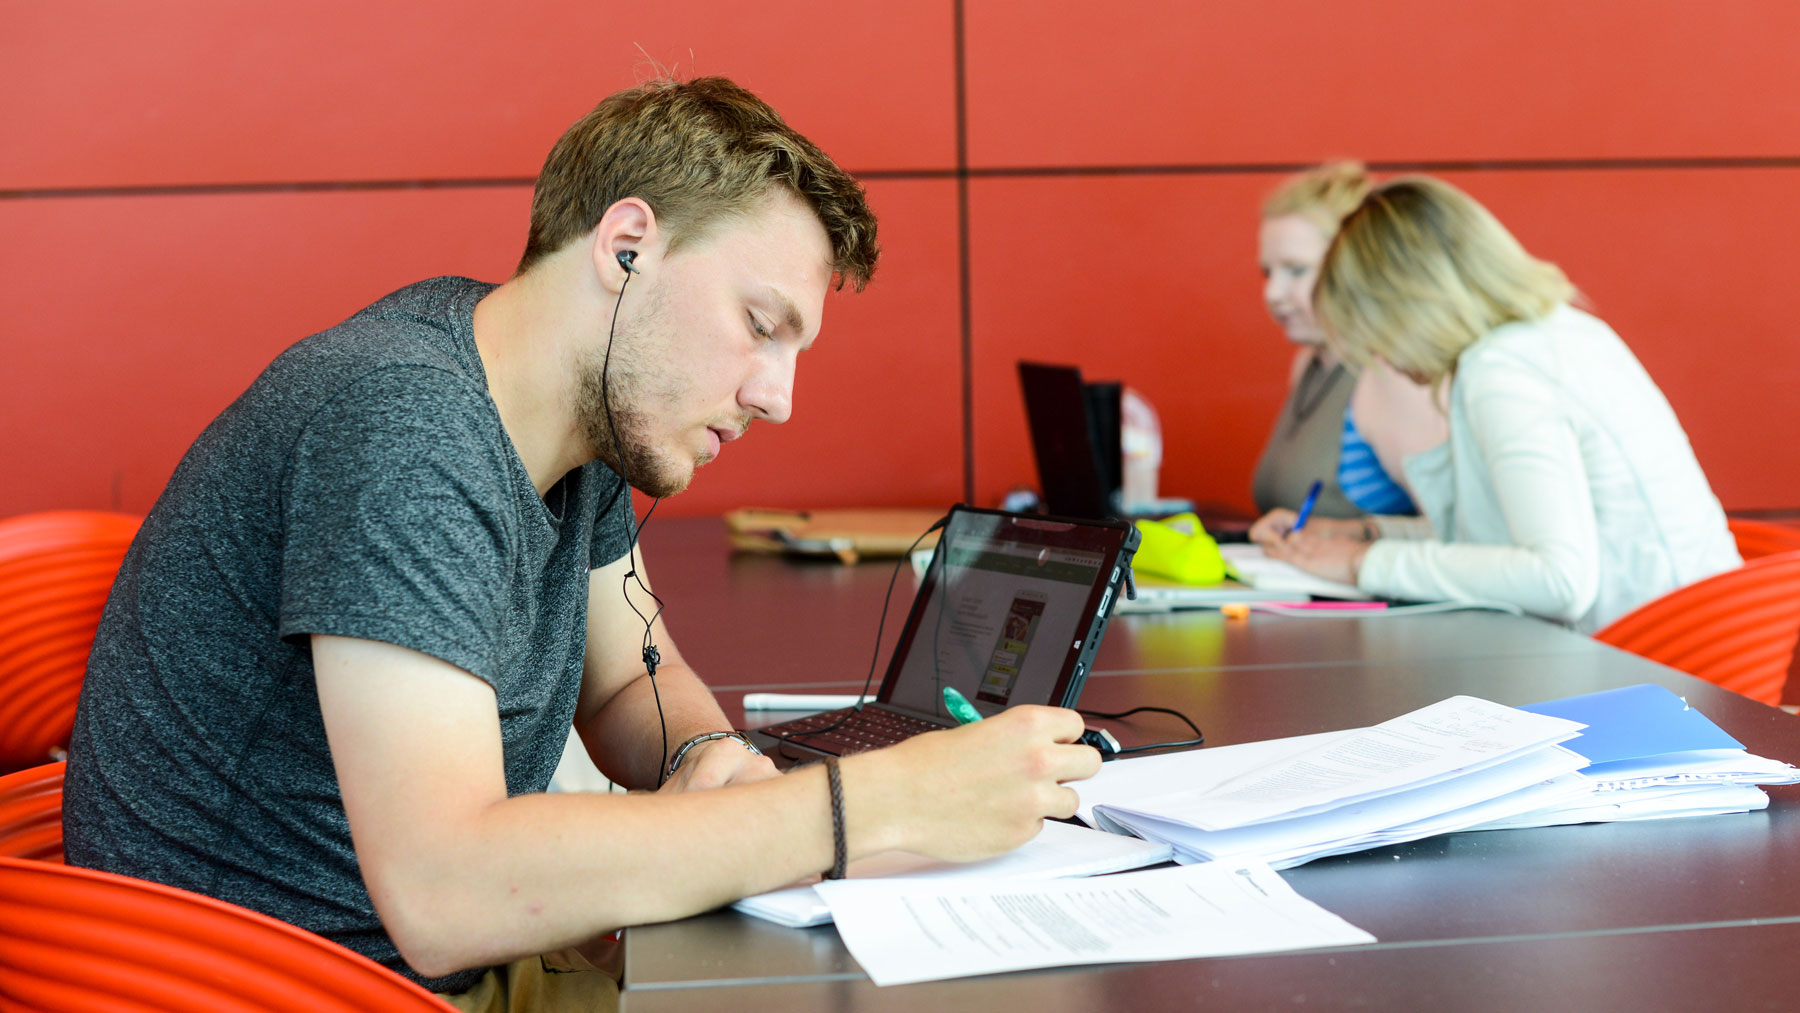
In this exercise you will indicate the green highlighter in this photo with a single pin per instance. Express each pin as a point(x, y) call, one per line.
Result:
point(959, 706)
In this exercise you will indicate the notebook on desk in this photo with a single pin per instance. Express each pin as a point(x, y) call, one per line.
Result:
point(1251, 566)
point(1253, 578)
point(1155, 594)
point(1011, 610)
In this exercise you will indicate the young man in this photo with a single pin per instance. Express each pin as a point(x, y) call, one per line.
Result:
point(340, 661)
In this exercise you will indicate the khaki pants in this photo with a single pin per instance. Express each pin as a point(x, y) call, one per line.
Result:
point(566, 980)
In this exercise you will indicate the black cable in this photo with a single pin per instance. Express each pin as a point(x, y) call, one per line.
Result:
point(1199, 738)
point(652, 657)
point(635, 529)
point(886, 599)
point(783, 738)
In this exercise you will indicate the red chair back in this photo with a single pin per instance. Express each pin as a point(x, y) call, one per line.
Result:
point(56, 569)
point(80, 939)
point(31, 813)
point(1756, 539)
point(1736, 629)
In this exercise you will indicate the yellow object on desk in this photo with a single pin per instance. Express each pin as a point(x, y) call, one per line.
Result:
point(1180, 549)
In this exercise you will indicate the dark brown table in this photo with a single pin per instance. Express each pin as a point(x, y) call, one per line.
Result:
point(1677, 914)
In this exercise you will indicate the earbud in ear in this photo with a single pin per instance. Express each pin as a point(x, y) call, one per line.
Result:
point(626, 257)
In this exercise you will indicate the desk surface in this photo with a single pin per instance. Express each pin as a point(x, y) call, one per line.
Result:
point(1668, 912)
point(756, 622)
point(1733, 967)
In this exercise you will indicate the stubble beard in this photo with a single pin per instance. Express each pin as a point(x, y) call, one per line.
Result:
point(623, 442)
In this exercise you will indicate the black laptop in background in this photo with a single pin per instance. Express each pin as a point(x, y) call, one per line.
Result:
point(1075, 442)
point(1011, 610)
point(1074, 439)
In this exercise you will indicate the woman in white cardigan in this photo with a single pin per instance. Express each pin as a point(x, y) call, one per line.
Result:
point(1566, 487)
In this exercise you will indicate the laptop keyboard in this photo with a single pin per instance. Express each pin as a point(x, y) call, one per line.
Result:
point(847, 731)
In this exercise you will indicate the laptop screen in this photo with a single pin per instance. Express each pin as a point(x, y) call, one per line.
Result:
point(1004, 612)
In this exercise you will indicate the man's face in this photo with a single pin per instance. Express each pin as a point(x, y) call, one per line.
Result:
point(705, 343)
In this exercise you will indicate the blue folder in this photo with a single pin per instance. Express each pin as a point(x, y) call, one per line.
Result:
point(1635, 722)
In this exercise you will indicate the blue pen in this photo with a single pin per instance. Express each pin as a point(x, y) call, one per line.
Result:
point(959, 706)
point(1312, 496)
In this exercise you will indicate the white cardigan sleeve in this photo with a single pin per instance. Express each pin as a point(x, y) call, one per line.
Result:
point(1518, 423)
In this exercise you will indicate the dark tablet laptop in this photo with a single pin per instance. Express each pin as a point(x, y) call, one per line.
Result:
point(1075, 429)
point(1070, 423)
point(1010, 611)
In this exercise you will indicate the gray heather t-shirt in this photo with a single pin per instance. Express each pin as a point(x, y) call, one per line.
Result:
point(362, 487)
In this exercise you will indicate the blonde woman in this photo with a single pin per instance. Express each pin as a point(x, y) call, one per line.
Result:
point(1347, 431)
point(1567, 487)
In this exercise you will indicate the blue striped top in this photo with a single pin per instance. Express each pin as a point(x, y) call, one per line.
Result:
point(1364, 481)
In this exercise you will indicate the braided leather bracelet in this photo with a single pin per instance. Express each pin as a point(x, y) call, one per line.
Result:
point(840, 853)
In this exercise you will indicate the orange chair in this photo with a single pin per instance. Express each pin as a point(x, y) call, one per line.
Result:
point(56, 569)
point(1756, 539)
point(80, 939)
point(1736, 629)
point(31, 813)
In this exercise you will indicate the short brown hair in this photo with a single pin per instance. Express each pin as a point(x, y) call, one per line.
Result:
point(697, 152)
point(1420, 271)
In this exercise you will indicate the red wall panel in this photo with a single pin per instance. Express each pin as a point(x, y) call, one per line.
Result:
point(99, 93)
point(1065, 82)
point(132, 321)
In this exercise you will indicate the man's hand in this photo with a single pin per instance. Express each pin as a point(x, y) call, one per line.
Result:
point(1338, 559)
point(969, 792)
point(718, 763)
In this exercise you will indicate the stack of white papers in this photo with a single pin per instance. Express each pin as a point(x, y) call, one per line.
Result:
point(1059, 850)
point(1462, 764)
point(1451, 765)
point(1600, 804)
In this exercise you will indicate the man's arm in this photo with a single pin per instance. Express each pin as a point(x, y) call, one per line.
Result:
point(617, 715)
point(464, 876)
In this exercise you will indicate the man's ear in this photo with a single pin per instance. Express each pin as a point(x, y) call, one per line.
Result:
point(625, 236)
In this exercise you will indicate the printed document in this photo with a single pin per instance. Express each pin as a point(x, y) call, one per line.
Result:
point(924, 930)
